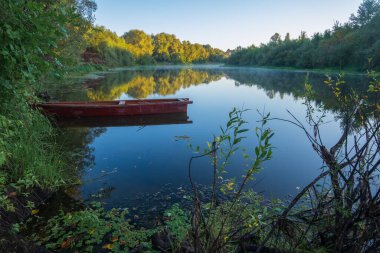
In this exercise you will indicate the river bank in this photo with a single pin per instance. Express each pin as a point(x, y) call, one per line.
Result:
point(126, 170)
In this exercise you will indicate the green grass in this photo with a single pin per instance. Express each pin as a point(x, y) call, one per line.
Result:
point(31, 156)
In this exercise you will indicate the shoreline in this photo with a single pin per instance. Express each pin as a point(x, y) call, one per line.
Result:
point(294, 69)
point(98, 74)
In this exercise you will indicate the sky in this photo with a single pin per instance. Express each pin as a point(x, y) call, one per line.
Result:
point(224, 24)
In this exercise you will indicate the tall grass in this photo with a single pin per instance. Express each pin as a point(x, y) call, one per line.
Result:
point(31, 156)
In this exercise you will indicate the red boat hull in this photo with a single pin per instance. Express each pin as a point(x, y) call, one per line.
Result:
point(115, 108)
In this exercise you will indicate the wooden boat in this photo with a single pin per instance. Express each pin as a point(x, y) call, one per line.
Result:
point(117, 121)
point(115, 108)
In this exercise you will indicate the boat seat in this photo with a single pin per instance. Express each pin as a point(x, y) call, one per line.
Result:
point(122, 102)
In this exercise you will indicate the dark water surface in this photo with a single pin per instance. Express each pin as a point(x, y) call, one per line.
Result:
point(123, 162)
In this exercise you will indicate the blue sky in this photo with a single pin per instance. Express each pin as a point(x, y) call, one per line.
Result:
point(223, 23)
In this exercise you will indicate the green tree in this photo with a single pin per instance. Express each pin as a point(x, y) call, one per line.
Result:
point(366, 12)
point(276, 38)
point(167, 48)
point(287, 37)
point(34, 38)
point(303, 36)
point(107, 48)
point(139, 43)
point(347, 45)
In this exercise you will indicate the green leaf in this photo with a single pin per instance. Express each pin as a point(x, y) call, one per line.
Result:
point(2, 158)
point(257, 151)
point(242, 131)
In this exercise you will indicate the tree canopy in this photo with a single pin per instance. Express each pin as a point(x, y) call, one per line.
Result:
point(38, 37)
point(355, 45)
point(137, 47)
point(139, 43)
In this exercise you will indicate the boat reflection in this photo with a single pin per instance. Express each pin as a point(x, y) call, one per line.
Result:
point(137, 120)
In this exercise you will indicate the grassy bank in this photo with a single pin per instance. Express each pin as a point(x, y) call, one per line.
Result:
point(30, 156)
point(29, 153)
point(244, 221)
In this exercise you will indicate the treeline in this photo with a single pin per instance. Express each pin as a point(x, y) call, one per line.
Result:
point(352, 45)
point(54, 36)
point(137, 47)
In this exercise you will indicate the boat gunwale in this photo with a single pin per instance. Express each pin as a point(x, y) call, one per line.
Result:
point(116, 103)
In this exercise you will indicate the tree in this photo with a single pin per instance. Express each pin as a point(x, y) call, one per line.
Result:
point(139, 43)
point(34, 38)
point(347, 45)
point(367, 10)
point(110, 48)
point(167, 48)
point(276, 38)
point(287, 37)
point(303, 36)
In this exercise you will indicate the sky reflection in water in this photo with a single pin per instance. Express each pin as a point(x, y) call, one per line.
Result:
point(144, 159)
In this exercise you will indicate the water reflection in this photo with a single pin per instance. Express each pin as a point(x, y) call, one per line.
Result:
point(135, 120)
point(167, 81)
point(292, 83)
point(141, 84)
point(149, 158)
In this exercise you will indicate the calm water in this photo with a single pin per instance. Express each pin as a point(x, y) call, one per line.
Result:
point(138, 159)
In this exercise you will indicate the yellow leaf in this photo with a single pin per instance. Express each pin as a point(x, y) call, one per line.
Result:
point(107, 246)
point(35, 211)
point(230, 186)
point(91, 231)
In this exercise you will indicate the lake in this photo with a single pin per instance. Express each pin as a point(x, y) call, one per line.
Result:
point(120, 163)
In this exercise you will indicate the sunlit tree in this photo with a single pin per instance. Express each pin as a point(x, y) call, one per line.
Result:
point(139, 43)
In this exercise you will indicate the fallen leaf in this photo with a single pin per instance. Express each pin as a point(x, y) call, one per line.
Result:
point(12, 194)
point(107, 246)
point(35, 211)
point(66, 243)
